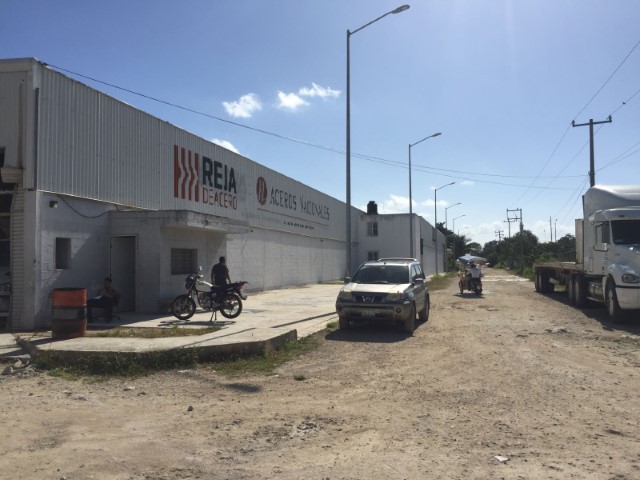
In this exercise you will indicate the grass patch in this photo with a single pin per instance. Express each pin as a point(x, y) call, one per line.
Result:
point(117, 364)
point(151, 332)
point(441, 281)
point(268, 363)
point(332, 325)
point(112, 364)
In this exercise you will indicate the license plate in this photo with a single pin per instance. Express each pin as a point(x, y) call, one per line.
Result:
point(368, 314)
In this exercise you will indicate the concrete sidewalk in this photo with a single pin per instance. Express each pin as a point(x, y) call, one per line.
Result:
point(268, 320)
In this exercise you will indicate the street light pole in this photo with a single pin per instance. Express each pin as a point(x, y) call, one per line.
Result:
point(435, 209)
point(454, 223)
point(446, 223)
point(348, 147)
point(411, 197)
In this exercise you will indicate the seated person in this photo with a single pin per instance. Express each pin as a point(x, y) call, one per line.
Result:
point(106, 298)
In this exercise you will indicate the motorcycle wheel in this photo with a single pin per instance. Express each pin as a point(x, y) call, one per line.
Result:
point(461, 287)
point(230, 306)
point(183, 307)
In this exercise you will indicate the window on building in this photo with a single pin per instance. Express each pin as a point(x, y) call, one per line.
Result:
point(372, 255)
point(372, 229)
point(183, 260)
point(63, 253)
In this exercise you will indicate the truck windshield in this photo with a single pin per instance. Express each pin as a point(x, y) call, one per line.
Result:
point(626, 232)
point(386, 274)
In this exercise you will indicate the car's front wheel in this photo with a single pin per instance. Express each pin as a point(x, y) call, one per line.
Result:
point(423, 315)
point(410, 321)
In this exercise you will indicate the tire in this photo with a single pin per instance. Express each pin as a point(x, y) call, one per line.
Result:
point(580, 291)
point(571, 289)
point(183, 307)
point(461, 285)
point(343, 323)
point(545, 285)
point(423, 315)
point(230, 306)
point(613, 307)
point(410, 321)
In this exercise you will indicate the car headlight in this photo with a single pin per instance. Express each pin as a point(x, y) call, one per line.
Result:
point(395, 297)
point(344, 295)
point(630, 278)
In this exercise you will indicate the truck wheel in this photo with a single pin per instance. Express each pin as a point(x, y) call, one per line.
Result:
point(615, 312)
point(571, 289)
point(545, 285)
point(410, 321)
point(580, 291)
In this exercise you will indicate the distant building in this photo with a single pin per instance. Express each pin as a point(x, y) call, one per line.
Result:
point(388, 235)
point(91, 186)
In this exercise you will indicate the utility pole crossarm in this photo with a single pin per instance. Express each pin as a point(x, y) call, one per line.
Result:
point(591, 123)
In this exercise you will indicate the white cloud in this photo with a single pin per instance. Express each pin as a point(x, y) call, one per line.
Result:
point(466, 183)
point(318, 91)
point(290, 101)
point(226, 144)
point(244, 107)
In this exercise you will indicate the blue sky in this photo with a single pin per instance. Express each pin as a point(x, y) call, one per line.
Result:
point(502, 80)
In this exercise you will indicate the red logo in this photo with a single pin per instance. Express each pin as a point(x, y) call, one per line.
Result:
point(185, 174)
point(261, 190)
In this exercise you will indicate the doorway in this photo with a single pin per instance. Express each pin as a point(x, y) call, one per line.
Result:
point(123, 270)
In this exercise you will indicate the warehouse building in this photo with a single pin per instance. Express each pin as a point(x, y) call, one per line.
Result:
point(91, 186)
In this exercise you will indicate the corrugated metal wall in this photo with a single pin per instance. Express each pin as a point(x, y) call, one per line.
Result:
point(17, 258)
point(94, 146)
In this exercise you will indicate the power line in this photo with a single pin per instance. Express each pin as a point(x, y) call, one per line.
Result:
point(582, 110)
point(607, 80)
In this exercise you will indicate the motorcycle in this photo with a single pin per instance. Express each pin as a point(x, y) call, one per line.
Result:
point(227, 299)
point(467, 282)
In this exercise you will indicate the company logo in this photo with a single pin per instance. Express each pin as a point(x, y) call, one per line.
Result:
point(185, 174)
point(262, 191)
point(200, 179)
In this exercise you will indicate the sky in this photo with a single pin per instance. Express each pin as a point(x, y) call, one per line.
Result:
point(502, 80)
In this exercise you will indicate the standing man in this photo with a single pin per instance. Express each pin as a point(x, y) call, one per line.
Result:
point(220, 273)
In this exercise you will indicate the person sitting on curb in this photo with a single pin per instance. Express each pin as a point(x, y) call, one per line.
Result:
point(106, 298)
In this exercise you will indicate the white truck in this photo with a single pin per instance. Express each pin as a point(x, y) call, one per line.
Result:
point(607, 266)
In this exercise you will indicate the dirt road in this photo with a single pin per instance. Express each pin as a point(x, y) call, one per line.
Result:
point(512, 385)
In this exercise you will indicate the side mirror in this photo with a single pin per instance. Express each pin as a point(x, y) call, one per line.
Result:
point(418, 281)
point(347, 279)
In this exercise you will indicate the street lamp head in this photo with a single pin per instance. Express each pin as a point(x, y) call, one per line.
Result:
point(401, 9)
point(437, 134)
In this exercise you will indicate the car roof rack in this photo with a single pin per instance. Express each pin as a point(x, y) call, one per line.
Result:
point(397, 259)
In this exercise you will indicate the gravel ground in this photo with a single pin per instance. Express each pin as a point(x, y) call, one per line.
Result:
point(510, 385)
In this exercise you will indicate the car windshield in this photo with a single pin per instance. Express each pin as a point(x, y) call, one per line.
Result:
point(626, 232)
point(391, 274)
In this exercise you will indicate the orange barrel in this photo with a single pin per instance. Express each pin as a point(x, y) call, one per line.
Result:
point(69, 312)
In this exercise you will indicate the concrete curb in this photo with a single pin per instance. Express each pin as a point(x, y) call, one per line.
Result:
point(204, 352)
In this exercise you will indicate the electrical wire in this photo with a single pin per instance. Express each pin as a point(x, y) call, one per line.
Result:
point(607, 80)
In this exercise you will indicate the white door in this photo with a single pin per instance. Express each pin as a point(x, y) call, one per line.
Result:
point(123, 271)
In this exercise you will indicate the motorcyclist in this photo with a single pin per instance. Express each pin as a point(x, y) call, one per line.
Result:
point(475, 273)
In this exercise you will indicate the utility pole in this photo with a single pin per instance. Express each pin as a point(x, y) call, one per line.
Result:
point(515, 219)
point(555, 227)
point(592, 168)
point(550, 230)
point(499, 233)
point(510, 220)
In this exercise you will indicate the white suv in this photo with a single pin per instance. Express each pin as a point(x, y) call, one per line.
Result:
point(390, 289)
